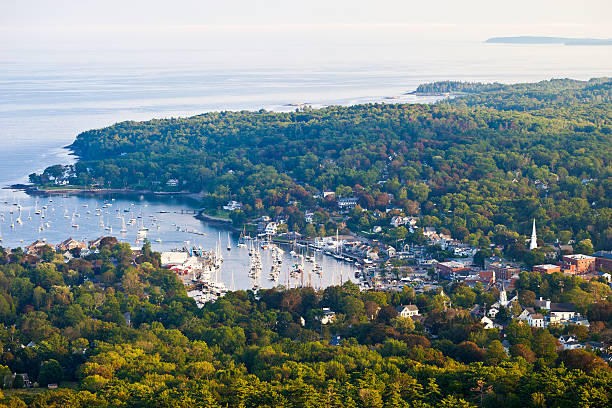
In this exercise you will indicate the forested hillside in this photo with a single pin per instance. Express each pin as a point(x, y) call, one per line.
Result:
point(481, 165)
point(115, 330)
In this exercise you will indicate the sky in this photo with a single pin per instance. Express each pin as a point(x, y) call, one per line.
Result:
point(126, 24)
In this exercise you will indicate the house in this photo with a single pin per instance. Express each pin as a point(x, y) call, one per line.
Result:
point(429, 231)
point(328, 316)
point(487, 322)
point(391, 252)
point(96, 242)
point(271, 228)
point(309, 217)
point(397, 221)
point(36, 247)
point(70, 244)
point(407, 310)
point(567, 338)
point(232, 206)
point(347, 203)
point(562, 311)
point(532, 318)
point(8, 382)
point(536, 320)
point(542, 304)
point(525, 313)
point(172, 183)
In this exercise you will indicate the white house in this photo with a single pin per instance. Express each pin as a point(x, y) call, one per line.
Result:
point(488, 323)
point(536, 320)
point(397, 221)
point(408, 310)
point(347, 203)
point(232, 206)
point(329, 316)
point(308, 216)
point(533, 319)
point(562, 311)
point(271, 228)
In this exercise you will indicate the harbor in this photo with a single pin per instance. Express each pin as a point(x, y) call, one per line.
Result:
point(168, 223)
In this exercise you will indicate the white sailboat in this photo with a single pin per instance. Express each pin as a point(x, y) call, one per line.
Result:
point(123, 226)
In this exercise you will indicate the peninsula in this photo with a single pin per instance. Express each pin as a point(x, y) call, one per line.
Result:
point(549, 40)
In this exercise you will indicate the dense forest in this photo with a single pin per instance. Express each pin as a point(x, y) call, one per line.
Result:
point(479, 165)
point(114, 329)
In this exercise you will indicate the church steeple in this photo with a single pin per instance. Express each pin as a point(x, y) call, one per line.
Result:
point(503, 297)
point(533, 244)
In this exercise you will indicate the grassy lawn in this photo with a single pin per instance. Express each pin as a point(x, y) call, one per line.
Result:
point(213, 212)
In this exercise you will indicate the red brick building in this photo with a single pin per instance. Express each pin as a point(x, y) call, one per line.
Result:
point(452, 267)
point(603, 261)
point(583, 264)
point(547, 268)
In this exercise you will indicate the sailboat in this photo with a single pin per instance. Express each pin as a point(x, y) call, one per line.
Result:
point(241, 243)
point(123, 227)
point(229, 245)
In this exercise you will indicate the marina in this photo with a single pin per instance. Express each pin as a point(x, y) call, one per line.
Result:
point(170, 226)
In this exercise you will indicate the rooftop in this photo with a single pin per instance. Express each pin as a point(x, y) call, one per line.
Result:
point(603, 254)
point(547, 266)
point(578, 256)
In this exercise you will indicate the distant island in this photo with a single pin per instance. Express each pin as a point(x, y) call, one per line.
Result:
point(549, 40)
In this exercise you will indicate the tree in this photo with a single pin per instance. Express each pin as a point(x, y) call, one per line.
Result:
point(495, 353)
point(584, 246)
point(480, 257)
point(18, 381)
point(527, 298)
point(131, 283)
point(403, 325)
point(50, 373)
point(544, 345)
point(524, 351)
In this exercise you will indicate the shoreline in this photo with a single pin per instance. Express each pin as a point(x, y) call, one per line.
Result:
point(35, 190)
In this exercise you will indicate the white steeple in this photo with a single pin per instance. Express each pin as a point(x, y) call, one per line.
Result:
point(503, 297)
point(533, 244)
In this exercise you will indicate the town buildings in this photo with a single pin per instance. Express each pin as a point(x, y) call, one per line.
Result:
point(578, 264)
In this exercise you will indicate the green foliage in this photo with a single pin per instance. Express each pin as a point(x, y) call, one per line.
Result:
point(50, 373)
point(482, 165)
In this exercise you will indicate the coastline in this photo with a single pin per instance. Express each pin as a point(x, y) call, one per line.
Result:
point(36, 190)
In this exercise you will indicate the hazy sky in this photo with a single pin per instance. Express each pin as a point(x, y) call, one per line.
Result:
point(183, 23)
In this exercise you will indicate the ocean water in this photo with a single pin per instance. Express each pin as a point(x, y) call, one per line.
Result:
point(47, 97)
